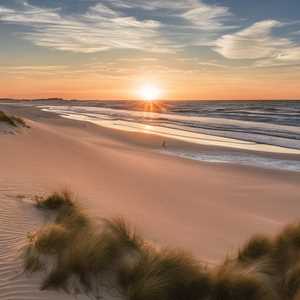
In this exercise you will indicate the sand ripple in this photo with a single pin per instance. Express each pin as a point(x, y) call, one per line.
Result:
point(18, 217)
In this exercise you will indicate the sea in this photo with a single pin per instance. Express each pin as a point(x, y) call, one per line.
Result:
point(256, 126)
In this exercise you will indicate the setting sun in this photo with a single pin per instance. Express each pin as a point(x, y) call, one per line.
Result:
point(149, 92)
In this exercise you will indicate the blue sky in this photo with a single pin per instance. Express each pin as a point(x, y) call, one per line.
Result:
point(163, 36)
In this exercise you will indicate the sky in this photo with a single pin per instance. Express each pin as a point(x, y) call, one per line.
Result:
point(189, 49)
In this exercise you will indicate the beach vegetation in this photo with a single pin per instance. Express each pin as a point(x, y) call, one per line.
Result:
point(237, 284)
point(165, 274)
point(87, 256)
point(256, 248)
point(291, 283)
point(55, 201)
point(12, 120)
point(287, 247)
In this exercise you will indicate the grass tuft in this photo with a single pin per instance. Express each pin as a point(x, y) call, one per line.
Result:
point(52, 239)
point(292, 282)
point(12, 120)
point(125, 236)
point(83, 257)
point(57, 280)
point(165, 275)
point(234, 281)
point(55, 201)
point(257, 248)
point(32, 260)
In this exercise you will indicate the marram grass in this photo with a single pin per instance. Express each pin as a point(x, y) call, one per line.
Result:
point(12, 120)
point(80, 257)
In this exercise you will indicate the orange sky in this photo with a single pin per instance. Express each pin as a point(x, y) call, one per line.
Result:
point(190, 49)
point(188, 85)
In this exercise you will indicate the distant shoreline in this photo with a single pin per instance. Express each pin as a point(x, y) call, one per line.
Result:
point(138, 100)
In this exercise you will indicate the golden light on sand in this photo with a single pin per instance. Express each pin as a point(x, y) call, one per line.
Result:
point(149, 92)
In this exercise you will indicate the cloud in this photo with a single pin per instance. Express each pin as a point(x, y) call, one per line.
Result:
point(196, 12)
point(210, 17)
point(159, 26)
point(213, 65)
point(98, 29)
point(34, 68)
point(258, 43)
point(251, 43)
point(290, 54)
point(169, 5)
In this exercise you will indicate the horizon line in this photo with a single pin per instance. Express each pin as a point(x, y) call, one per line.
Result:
point(135, 100)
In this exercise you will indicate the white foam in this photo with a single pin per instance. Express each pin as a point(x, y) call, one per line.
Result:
point(243, 159)
point(127, 120)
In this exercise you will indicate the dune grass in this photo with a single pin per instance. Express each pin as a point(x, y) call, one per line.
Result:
point(235, 284)
point(165, 274)
point(80, 257)
point(12, 120)
point(256, 248)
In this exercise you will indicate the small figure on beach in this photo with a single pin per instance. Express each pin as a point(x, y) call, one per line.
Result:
point(164, 144)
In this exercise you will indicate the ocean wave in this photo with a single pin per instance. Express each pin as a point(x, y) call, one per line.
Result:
point(285, 136)
point(227, 132)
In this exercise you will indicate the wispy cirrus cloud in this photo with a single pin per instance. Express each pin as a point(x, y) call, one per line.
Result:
point(33, 68)
point(203, 16)
point(160, 26)
point(258, 43)
point(100, 28)
point(178, 6)
point(209, 17)
point(251, 43)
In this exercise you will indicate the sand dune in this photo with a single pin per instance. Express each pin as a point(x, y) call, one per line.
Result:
point(204, 208)
point(17, 218)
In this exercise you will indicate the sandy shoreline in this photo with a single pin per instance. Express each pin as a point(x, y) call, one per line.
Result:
point(204, 208)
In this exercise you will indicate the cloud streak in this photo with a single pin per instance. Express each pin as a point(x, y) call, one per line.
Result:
point(258, 43)
point(157, 27)
point(100, 28)
point(114, 24)
point(208, 17)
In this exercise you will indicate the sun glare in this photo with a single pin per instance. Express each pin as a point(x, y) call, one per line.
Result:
point(149, 92)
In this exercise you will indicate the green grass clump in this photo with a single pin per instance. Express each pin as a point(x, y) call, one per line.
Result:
point(12, 120)
point(238, 285)
point(287, 246)
point(32, 260)
point(84, 252)
point(57, 279)
point(52, 239)
point(165, 275)
point(55, 201)
point(84, 257)
point(256, 248)
point(122, 234)
point(292, 282)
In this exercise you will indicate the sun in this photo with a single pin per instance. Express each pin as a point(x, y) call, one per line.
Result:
point(149, 92)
